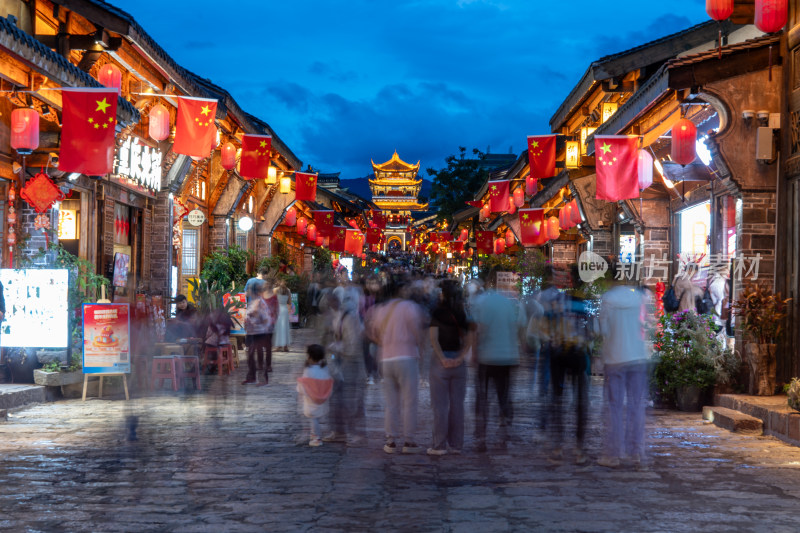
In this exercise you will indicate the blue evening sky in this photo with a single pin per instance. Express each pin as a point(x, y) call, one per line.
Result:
point(343, 82)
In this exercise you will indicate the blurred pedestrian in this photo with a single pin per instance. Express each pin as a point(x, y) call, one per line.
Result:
point(258, 326)
point(281, 337)
point(315, 388)
point(448, 373)
point(497, 332)
point(625, 364)
point(253, 285)
point(348, 415)
point(397, 327)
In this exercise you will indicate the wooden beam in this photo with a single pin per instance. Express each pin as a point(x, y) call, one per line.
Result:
point(736, 64)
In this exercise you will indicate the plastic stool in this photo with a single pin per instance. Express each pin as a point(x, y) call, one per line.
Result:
point(188, 367)
point(164, 367)
point(224, 358)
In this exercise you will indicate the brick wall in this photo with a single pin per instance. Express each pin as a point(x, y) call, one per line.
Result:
point(107, 250)
point(147, 243)
point(216, 235)
point(160, 245)
point(26, 217)
point(757, 232)
point(565, 253)
point(603, 243)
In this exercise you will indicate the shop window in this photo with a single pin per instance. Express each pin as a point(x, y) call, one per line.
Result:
point(695, 224)
point(190, 260)
point(241, 239)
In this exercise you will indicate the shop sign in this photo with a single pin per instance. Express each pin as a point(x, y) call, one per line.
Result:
point(138, 166)
point(67, 224)
point(106, 338)
point(37, 314)
point(196, 217)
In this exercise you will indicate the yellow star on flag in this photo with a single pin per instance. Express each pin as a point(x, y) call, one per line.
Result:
point(205, 110)
point(102, 105)
point(605, 148)
point(91, 119)
point(534, 144)
point(263, 144)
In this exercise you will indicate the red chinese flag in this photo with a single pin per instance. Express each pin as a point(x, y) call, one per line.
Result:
point(305, 187)
point(457, 246)
point(324, 221)
point(498, 196)
point(256, 149)
point(338, 235)
point(353, 242)
point(617, 166)
point(195, 131)
point(433, 236)
point(484, 241)
point(374, 235)
point(444, 236)
point(87, 136)
point(379, 219)
point(474, 203)
point(531, 222)
point(542, 156)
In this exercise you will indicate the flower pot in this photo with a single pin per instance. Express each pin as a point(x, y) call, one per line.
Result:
point(690, 398)
point(761, 362)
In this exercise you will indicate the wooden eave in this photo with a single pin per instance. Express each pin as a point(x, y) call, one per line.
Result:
point(618, 65)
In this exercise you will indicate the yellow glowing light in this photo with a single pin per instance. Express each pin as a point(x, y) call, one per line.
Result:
point(608, 110)
point(272, 175)
point(585, 132)
point(573, 154)
point(286, 185)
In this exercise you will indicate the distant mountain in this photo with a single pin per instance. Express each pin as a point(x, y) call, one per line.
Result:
point(360, 187)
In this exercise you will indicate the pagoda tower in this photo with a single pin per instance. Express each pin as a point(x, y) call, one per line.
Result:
point(395, 188)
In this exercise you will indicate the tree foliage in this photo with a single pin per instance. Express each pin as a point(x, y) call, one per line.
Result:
point(457, 183)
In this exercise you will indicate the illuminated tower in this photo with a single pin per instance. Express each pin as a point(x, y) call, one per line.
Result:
point(395, 188)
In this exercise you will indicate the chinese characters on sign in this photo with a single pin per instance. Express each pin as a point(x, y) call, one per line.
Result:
point(717, 264)
point(138, 165)
point(106, 340)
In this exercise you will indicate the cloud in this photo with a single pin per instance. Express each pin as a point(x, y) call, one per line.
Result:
point(295, 97)
point(332, 72)
point(660, 27)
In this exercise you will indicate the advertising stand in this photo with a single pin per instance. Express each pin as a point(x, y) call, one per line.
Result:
point(106, 343)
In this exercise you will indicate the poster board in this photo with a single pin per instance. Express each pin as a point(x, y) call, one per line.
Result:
point(507, 284)
point(294, 316)
point(37, 308)
point(106, 338)
point(239, 315)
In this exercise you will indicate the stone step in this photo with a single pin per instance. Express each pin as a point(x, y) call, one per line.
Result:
point(13, 396)
point(732, 420)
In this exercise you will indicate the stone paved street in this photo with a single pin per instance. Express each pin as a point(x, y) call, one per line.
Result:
point(234, 458)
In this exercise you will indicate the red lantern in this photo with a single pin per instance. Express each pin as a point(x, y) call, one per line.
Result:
point(575, 214)
point(311, 233)
point(375, 247)
point(24, 130)
point(469, 252)
point(684, 138)
point(485, 212)
point(645, 169)
point(302, 225)
point(519, 197)
point(363, 255)
point(499, 245)
point(511, 207)
point(567, 217)
point(552, 228)
point(335, 263)
point(110, 76)
point(464, 235)
point(227, 156)
point(159, 123)
point(510, 240)
point(771, 15)
point(530, 185)
point(291, 216)
point(353, 223)
point(434, 248)
point(719, 9)
point(319, 241)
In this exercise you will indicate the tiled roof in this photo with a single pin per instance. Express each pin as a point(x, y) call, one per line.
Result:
point(727, 50)
point(53, 65)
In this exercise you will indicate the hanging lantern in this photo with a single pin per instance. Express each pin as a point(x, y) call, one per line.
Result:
point(272, 175)
point(511, 207)
point(499, 245)
point(319, 241)
point(286, 185)
point(464, 235)
point(291, 216)
point(363, 255)
point(469, 252)
point(335, 263)
point(485, 212)
point(353, 224)
point(771, 15)
point(311, 233)
point(24, 130)
point(552, 231)
point(510, 239)
point(302, 225)
point(227, 156)
point(645, 169)
point(530, 185)
point(216, 138)
point(567, 217)
point(519, 197)
point(684, 139)
point(719, 10)
point(110, 76)
point(575, 213)
point(158, 123)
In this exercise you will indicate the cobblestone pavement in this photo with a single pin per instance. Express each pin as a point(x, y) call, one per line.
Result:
point(234, 458)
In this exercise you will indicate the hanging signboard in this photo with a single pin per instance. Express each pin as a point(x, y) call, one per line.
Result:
point(37, 312)
point(138, 167)
point(106, 339)
point(196, 217)
point(508, 283)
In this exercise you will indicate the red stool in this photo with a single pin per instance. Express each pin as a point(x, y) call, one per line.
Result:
point(188, 366)
point(224, 359)
point(164, 367)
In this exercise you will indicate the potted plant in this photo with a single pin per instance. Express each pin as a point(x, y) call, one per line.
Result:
point(760, 314)
point(689, 361)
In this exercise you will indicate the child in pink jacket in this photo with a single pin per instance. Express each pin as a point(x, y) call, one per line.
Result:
point(315, 387)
